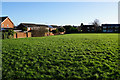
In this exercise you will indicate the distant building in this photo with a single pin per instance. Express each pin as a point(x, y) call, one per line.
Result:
point(31, 26)
point(110, 28)
point(6, 23)
point(88, 28)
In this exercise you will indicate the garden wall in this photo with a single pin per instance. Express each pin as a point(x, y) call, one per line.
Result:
point(22, 34)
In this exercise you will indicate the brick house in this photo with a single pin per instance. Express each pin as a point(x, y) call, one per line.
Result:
point(6, 23)
point(31, 26)
point(110, 28)
point(88, 28)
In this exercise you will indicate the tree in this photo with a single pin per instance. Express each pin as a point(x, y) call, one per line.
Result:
point(61, 29)
point(55, 31)
point(7, 34)
point(70, 29)
point(96, 23)
point(80, 28)
point(24, 29)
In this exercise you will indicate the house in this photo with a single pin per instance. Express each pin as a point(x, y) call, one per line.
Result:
point(110, 28)
point(6, 23)
point(31, 26)
point(88, 28)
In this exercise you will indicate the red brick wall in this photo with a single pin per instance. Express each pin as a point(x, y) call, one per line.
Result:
point(22, 34)
point(14, 35)
point(7, 22)
point(29, 34)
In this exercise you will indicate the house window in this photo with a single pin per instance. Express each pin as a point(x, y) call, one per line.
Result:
point(7, 25)
point(116, 27)
point(3, 25)
point(88, 28)
point(92, 27)
point(104, 30)
point(116, 30)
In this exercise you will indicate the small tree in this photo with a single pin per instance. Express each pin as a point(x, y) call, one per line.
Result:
point(61, 29)
point(80, 28)
point(24, 29)
point(55, 31)
point(96, 23)
point(7, 34)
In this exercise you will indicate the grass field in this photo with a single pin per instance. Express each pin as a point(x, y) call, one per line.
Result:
point(69, 56)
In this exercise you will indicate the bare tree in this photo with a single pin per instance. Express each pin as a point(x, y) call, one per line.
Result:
point(96, 23)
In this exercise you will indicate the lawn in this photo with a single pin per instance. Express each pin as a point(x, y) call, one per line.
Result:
point(69, 56)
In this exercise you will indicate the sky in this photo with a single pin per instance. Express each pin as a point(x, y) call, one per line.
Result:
point(61, 13)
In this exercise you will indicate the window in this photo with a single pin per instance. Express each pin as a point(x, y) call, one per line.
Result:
point(104, 30)
point(116, 27)
point(7, 25)
point(92, 27)
point(88, 28)
point(116, 30)
point(104, 27)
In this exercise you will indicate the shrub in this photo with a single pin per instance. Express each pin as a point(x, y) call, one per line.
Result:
point(24, 29)
point(70, 29)
point(61, 29)
point(7, 34)
point(55, 31)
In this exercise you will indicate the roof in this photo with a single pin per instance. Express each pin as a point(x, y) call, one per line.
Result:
point(88, 25)
point(35, 25)
point(3, 18)
point(110, 24)
point(54, 26)
point(50, 26)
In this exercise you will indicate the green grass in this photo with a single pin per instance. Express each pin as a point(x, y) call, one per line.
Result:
point(70, 56)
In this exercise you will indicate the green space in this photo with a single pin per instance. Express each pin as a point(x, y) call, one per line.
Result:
point(71, 56)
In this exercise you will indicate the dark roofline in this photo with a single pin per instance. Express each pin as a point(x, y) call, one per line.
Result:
point(110, 24)
point(88, 26)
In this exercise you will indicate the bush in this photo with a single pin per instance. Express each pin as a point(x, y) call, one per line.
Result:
point(24, 29)
point(55, 31)
point(7, 34)
point(70, 29)
point(61, 29)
